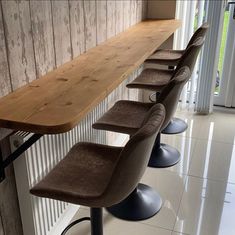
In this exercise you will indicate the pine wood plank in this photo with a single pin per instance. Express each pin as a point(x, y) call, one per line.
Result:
point(101, 21)
point(59, 100)
point(19, 42)
point(41, 18)
point(90, 23)
point(111, 27)
point(10, 221)
point(126, 13)
point(5, 83)
point(133, 12)
point(61, 28)
point(119, 16)
point(139, 15)
point(144, 9)
point(76, 10)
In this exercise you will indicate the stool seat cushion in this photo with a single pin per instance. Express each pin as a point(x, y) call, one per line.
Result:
point(124, 117)
point(152, 79)
point(166, 57)
point(82, 176)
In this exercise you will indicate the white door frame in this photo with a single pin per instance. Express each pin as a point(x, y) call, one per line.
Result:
point(226, 96)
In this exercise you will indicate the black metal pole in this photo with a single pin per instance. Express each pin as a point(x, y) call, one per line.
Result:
point(96, 221)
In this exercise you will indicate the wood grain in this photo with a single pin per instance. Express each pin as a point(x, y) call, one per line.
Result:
point(61, 28)
point(133, 12)
point(126, 13)
point(58, 101)
point(144, 9)
point(41, 17)
point(19, 42)
point(119, 16)
point(101, 21)
point(76, 10)
point(5, 85)
point(9, 208)
point(139, 13)
point(31, 25)
point(90, 23)
point(111, 15)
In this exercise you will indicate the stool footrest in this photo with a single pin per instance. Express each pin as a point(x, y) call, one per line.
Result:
point(74, 223)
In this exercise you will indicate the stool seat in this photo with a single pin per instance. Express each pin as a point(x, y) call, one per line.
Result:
point(166, 57)
point(124, 117)
point(82, 176)
point(152, 79)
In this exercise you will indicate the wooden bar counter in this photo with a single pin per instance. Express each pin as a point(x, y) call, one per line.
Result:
point(58, 101)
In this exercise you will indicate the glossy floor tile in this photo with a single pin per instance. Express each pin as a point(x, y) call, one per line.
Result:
point(115, 226)
point(176, 233)
point(213, 160)
point(186, 147)
point(207, 208)
point(198, 193)
point(171, 196)
point(221, 130)
point(195, 123)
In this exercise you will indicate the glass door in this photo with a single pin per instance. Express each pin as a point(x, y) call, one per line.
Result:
point(224, 94)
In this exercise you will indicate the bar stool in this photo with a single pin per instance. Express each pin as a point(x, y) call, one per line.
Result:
point(100, 176)
point(157, 79)
point(151, 83)
point(127, 117)
point(172, 58)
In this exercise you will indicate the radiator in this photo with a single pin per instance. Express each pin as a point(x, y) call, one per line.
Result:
point(42, 216)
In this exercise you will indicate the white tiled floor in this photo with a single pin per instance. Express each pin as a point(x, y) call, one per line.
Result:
point(198, 193)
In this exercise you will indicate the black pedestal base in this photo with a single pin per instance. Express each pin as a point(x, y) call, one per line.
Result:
point(164, 156)
point(175, 126)
point(141, 204)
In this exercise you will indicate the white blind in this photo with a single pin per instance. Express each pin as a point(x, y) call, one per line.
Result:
point(210, 56)
point(192, 14)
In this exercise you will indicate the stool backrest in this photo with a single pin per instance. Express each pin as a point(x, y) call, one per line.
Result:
point(200, 32)
point(135, 156)
point(170, 94)
point(189, 58)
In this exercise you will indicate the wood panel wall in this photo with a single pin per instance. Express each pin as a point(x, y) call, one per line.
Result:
point(37, 36)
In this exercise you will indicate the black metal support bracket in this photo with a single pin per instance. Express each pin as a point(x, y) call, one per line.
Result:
point(13, 156)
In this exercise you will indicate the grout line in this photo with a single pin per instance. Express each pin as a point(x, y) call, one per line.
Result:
point(177, 213)
point(153, 226)
point(202, 139)
point(210, 179)
point(180, 233)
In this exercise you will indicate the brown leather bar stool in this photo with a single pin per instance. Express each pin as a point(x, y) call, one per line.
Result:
point(127, 116)
point(100, 176)
point(172, 58)
point(151, 82)
point(157, 79)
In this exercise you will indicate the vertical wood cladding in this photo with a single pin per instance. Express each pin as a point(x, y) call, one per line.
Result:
point(38, 36)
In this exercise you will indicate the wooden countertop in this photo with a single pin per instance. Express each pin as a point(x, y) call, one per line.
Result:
point(58, 101)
